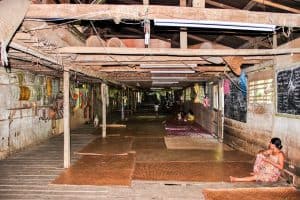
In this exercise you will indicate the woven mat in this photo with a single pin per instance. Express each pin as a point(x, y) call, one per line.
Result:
point(99, 170)
point(148, 143)
point(190, 171)
point(108, 146)
point(187, 142)
point(167, 155)
point(280, 193)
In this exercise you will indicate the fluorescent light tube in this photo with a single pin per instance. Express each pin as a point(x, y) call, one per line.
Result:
point(167, 77)
point(145, 66)
point(173, 72)
point(165, 82)
point(214, 24)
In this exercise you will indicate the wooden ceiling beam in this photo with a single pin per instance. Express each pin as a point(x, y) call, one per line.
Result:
point(138, 12)
point(277, 5)
point(176, 52)
point(122, 58)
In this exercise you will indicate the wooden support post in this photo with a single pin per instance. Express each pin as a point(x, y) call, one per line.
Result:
point(146, 2)
point(199, 3)
point(103, 97)
point(274, 40)
point(183, 33)
point(67, 160)
point(92, 104)
point(221, 110)
point(122, 106)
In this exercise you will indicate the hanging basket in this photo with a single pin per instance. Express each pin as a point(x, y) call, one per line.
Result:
point(24, 93)
point(49, 86)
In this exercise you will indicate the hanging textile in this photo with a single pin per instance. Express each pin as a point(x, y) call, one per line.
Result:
point(197, 91)
point(243, 84)
point(226, 86)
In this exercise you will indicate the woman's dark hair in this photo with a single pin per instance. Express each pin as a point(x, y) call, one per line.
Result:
point(276, 142)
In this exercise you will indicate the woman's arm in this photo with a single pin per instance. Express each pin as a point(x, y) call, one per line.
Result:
point(266, 152)
point(280, 163)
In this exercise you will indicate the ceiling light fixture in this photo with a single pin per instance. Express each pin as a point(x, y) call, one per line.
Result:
point(153, 66)
point(173, 72)
point(214, 24)
point(168, 77)
point(164, 82)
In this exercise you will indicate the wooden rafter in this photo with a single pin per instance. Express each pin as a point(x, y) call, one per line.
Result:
point(139, 12)
point(249, 5)
point(277, 5)
point(176, 52)
point(219, 5)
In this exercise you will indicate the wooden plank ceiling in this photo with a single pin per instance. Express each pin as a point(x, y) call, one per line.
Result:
point(105, 41)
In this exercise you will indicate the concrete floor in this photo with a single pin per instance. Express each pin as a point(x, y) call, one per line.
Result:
point(27, 175)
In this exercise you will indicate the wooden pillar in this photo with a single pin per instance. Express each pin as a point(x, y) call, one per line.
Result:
point(274, 40)
point(221, 110)
point(183, 32)
point(199, 3)
point(122, 106)
point(103, 97)
point(92, 103)
point(67, 160)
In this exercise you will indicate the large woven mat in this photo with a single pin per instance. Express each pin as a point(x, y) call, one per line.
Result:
point(281, 193)
point(187, 142)
point(108, 146)
point(99, 170)
point(190, 171)
point(167, 155)
point(148, 143)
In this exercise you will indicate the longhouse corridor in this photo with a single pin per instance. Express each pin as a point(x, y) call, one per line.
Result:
point(157, 172)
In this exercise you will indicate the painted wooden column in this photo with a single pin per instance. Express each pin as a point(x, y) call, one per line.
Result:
point(122, 106)
point(103, 97)
point(67, 143)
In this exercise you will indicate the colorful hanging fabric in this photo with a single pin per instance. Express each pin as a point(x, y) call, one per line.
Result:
point(226, 86)
point(243, 83)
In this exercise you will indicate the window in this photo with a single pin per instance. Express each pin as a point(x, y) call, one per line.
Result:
point(261, 91)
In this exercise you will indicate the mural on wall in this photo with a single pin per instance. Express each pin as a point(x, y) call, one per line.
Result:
point(288, 91)
point(235, 98)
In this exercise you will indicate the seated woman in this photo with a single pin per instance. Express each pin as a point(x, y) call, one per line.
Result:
point(190, 116)
point(267, 165)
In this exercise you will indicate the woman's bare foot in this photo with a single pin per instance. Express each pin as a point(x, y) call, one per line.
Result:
point(232, 179)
